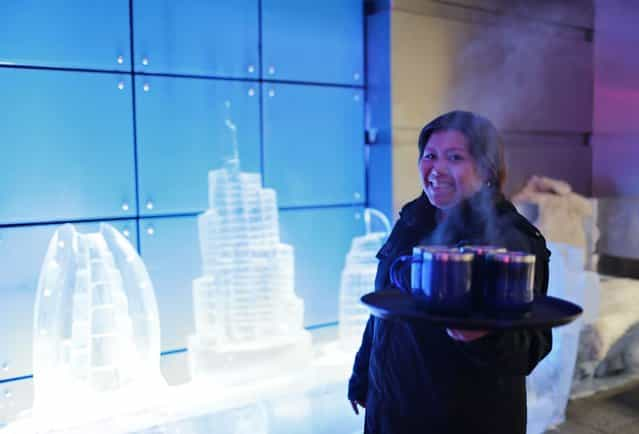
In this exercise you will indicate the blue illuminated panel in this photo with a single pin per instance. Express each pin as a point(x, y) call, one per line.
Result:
point(314, 144)
point(310, 41)
point(22, 250)
point(171, 251)
point(67, 142)
point(182, 135)
point(197, 37)
point(66, 34)
point(321, 239)
point(380, 178)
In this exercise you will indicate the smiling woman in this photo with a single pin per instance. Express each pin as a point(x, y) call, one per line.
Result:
point(421, 378)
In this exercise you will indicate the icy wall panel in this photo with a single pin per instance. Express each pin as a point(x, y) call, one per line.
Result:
point(31, 34)
point(380, 185)
point(64, 155)
point(195, 37)
point(182, 135)
point(22, 250)
point(378, 120)
point(321, 238)
point(171, 253)
point(314, 144)
point(291, 49)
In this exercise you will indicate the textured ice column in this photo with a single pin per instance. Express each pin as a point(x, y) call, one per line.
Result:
point(618, 220)
point(249, 322)
point(96, 330)
point(550, 383)
point(358, 278)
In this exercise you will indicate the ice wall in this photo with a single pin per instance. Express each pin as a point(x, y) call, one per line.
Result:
point(96, 331)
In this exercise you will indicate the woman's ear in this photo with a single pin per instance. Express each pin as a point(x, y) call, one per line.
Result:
point(487, 177)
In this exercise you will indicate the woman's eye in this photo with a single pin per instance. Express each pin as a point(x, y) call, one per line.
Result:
point(428, 156)
point(456, 157)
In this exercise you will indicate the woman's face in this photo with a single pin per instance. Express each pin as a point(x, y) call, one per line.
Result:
point(448, 171)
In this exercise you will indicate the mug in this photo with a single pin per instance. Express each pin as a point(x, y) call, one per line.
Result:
point(509, 283)
point(478, 286)
point(440, 278)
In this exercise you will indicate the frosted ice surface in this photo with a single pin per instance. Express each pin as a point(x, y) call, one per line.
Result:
point(618, 221)
point(96, 328)
point(549, 384)
point(358, 278)
point(248, 320)
point(563, 215)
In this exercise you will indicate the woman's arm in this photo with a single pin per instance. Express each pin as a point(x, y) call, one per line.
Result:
point(510, 352)
point(358, 383)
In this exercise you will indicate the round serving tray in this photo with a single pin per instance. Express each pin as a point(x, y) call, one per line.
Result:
point(546, 312)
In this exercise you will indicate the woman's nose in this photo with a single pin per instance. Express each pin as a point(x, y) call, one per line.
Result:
point(439, 167)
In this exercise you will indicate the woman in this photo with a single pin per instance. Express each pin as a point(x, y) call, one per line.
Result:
point(418, 378)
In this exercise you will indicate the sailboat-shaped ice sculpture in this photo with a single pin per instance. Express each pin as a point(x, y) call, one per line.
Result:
point(358, 278)
point(96, 330)
point(248, 320)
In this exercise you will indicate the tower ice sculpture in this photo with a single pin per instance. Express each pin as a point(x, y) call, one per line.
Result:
point(358, 278)
point(248, 320)
point(96, 329)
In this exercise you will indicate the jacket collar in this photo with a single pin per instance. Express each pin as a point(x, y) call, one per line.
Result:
point(418, 213)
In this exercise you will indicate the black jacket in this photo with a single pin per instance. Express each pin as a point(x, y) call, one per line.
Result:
point(413, 377)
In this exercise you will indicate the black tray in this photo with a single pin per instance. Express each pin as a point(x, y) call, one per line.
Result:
point(546, 312)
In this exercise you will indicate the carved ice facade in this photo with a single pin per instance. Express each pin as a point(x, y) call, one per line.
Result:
point(358, 278)
point(248, 320)
point(96, 329)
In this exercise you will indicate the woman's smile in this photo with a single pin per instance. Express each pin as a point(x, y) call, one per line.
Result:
point(440, 188)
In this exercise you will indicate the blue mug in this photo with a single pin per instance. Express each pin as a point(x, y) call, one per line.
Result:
point(509, 283)
point(478, 286)
point(441, 278)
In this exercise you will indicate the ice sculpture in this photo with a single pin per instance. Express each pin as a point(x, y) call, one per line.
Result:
point(562, 215)
point(358, 278)
point(248, 320)
point(549, 385)
point(96, 330)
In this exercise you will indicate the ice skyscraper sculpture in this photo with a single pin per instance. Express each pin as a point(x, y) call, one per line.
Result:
point(96, 328)
point(358, 278)
point(248, 320)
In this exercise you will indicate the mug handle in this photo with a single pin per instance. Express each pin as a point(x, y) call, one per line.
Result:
point(392, 273)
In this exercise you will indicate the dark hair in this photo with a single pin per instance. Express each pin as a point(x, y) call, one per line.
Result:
point(483, 141)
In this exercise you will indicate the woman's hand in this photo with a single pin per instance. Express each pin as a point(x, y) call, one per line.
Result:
point(466, 335)
point(355, 403)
